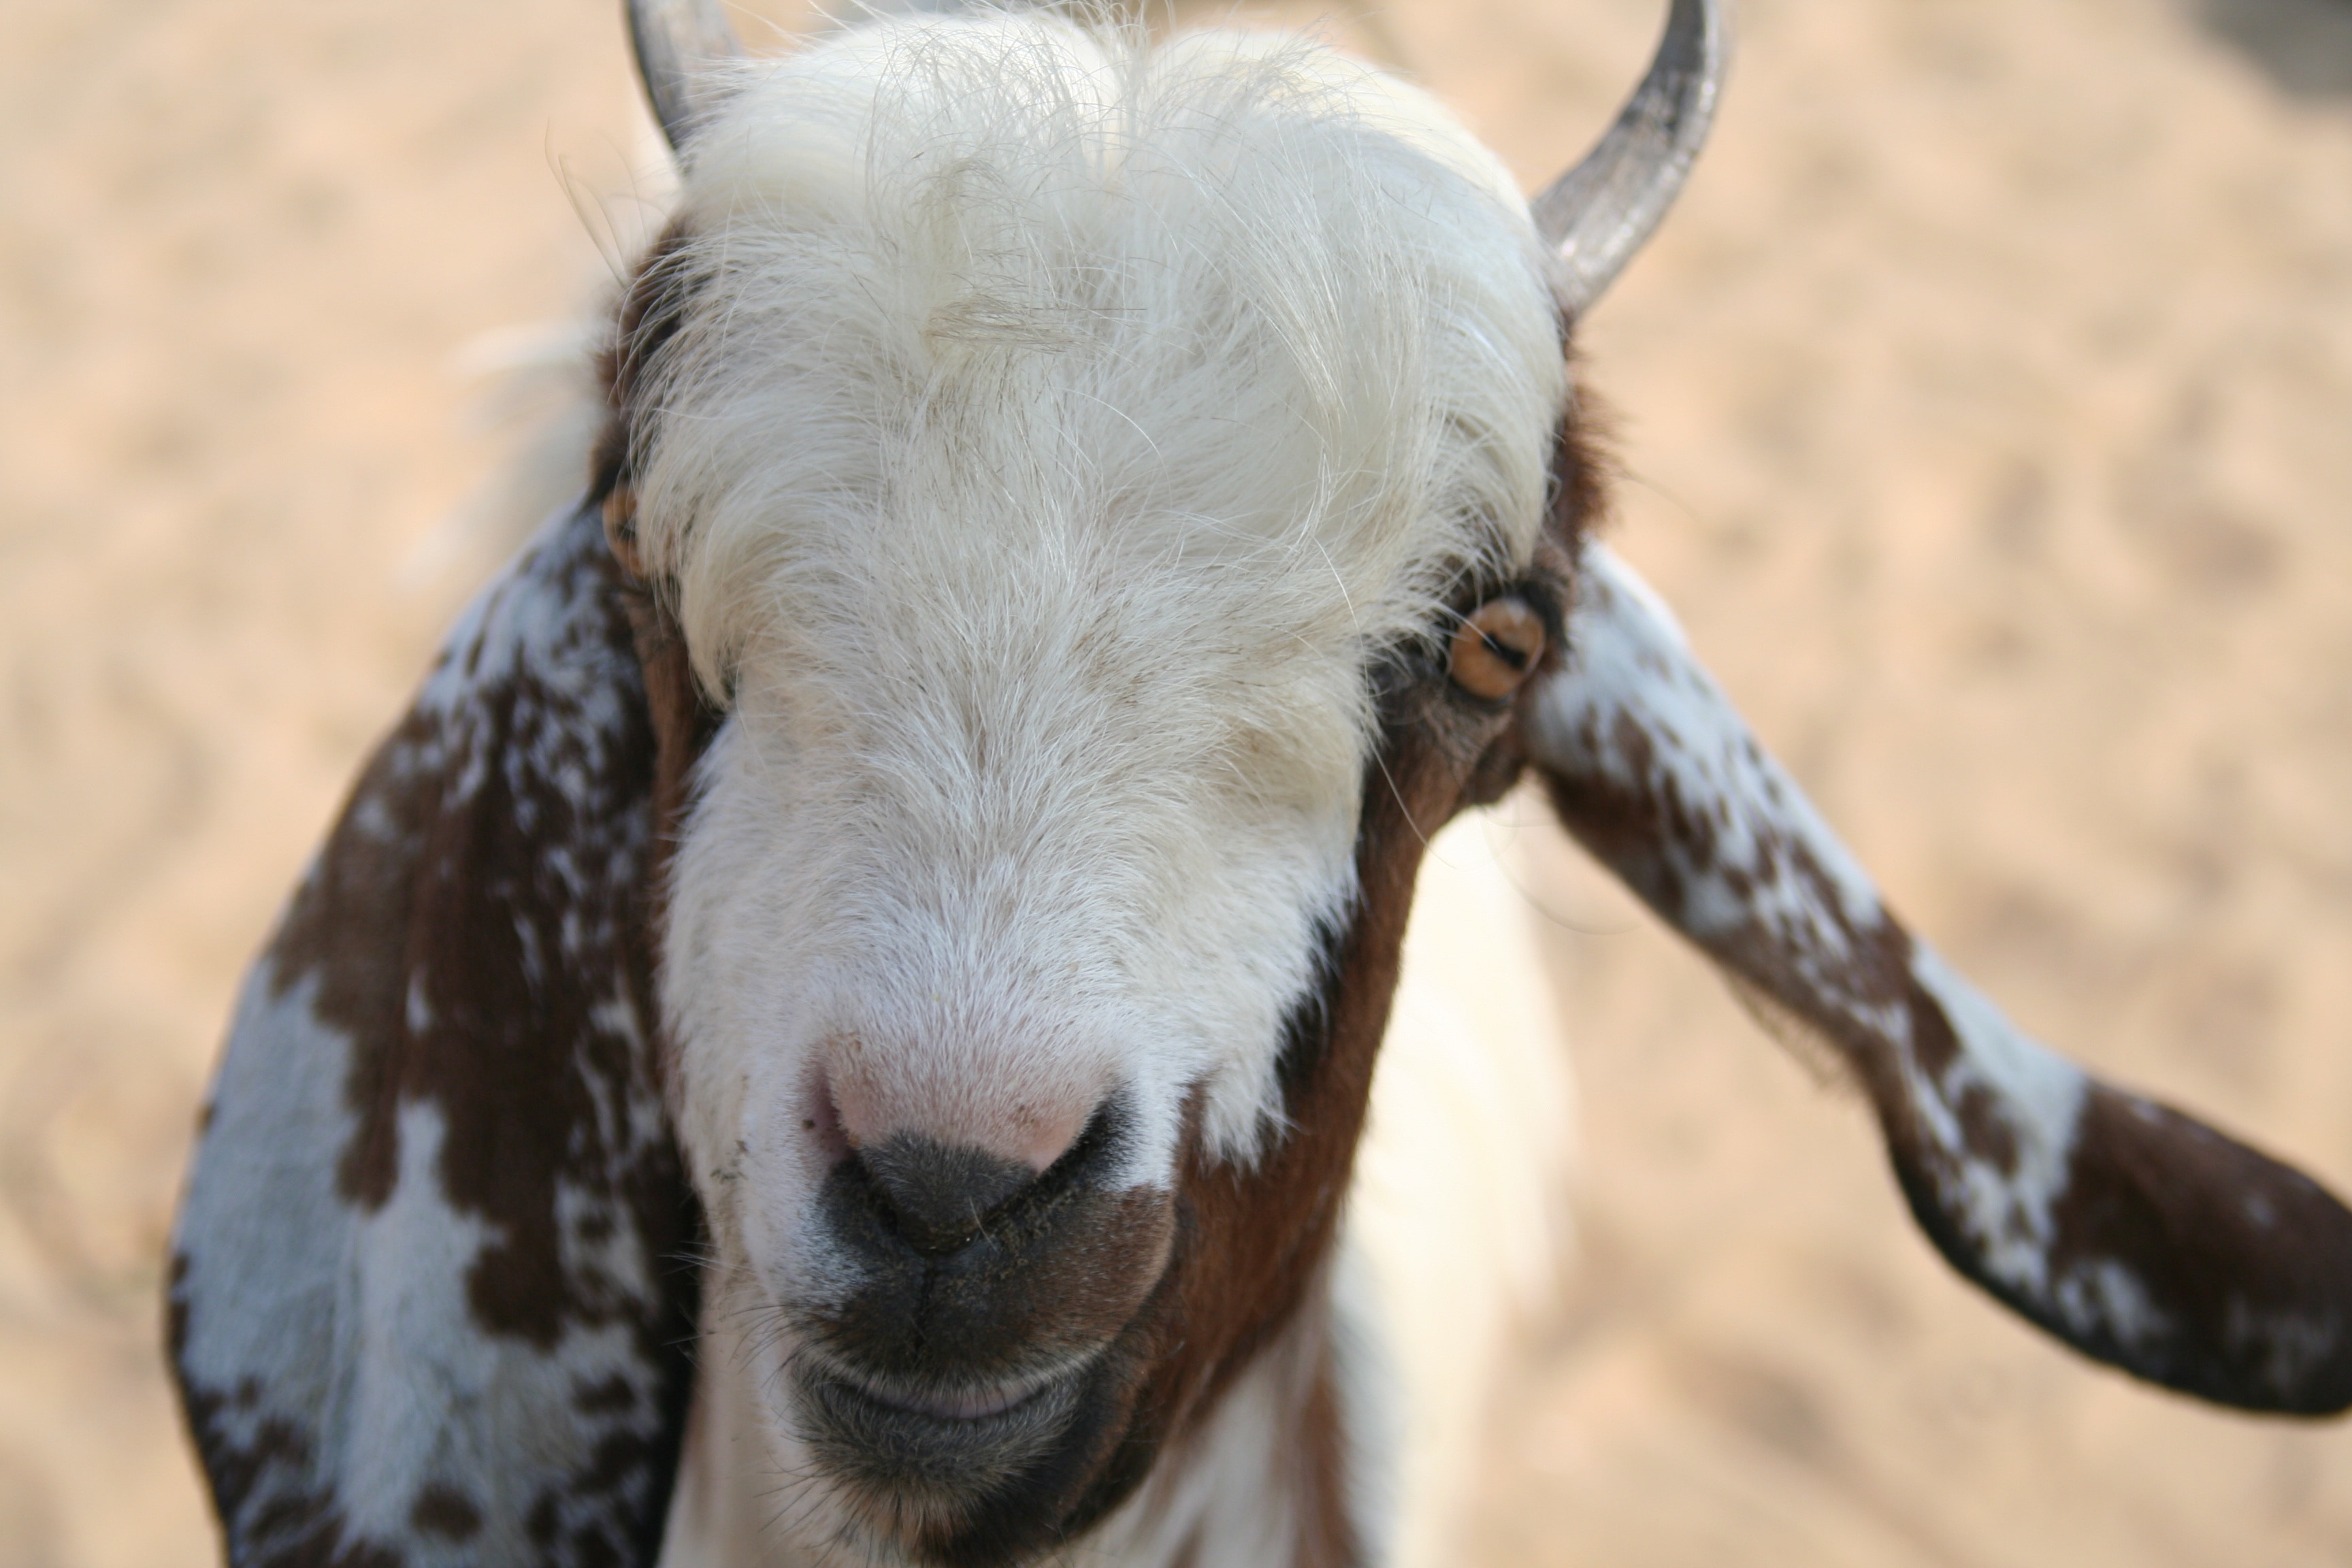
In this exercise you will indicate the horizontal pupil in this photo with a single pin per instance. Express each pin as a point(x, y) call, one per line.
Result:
point(1516, 658)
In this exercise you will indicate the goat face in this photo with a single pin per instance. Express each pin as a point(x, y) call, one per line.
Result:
point(1071, 467)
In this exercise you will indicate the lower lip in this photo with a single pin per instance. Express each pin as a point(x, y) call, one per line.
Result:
point(969, 1407)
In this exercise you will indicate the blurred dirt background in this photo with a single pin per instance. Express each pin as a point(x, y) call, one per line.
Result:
point(1987, 411)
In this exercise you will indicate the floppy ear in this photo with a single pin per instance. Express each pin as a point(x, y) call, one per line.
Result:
point(431, 1299)
point(2135, 1234)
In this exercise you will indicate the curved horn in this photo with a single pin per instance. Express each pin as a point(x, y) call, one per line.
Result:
point(1602, 211)
point(675, 41)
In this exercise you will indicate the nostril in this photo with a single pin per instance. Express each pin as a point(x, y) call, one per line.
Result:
point(938, 1196)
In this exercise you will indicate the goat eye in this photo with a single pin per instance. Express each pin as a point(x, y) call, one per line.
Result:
point(1496, 648)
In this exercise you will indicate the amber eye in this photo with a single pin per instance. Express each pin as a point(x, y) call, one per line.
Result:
point(1496, 648)
point(621, 529)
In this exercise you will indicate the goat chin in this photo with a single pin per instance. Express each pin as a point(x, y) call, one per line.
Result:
point(1455, 1231)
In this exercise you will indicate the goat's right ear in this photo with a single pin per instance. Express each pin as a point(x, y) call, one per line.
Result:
point(433, 1281)
point(2136, 1234)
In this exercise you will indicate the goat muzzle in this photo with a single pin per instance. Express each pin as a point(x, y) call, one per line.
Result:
point(975, 1354)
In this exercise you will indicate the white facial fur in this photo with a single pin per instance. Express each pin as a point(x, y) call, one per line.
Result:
point(1058, 428)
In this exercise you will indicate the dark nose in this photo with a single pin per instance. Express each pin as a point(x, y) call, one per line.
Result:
point(936, 1198)
point(956, 1269)
point(910, 1206)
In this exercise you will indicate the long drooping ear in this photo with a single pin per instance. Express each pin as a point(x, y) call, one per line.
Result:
point(2136, 1234)
point(432, 1287)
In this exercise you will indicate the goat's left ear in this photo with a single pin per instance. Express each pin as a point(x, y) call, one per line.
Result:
point(2136, 1234)
point(432, 1286)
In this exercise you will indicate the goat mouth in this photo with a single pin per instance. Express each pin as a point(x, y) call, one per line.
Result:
point(967, 1405)
point(928, 1457)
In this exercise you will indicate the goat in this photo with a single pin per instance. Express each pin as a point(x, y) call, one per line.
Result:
point(839, 1026)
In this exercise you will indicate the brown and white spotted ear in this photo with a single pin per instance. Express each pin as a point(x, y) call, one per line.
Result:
point(2136, 1234)
point(432, 1289)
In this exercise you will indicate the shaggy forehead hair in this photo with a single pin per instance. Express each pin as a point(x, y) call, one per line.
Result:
point(1031, 389)
point(1256, 325)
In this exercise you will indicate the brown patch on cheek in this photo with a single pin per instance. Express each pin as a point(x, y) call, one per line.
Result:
point(1250, 1243)
point(1095, 1289)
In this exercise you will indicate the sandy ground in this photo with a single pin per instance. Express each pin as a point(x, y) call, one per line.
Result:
point(1987, 411)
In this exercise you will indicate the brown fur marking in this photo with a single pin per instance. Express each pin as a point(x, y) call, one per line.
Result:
point(482, 897)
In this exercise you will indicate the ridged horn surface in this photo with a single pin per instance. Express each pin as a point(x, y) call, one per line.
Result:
point(1600, 212)
point(676, 42)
